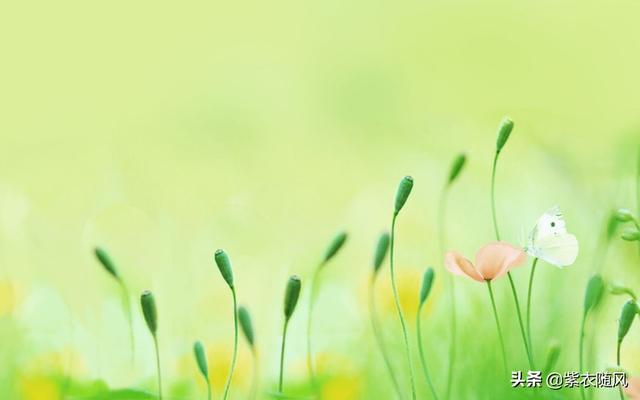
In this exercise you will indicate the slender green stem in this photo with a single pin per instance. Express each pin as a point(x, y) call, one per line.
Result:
point(254, 382)
point(533, 271)
point(379, 339)
point(493, 196)
point(513, 286)
point(127, 307)
point(235, 344)
point(312, 295)
point(155, 344)
point(208, 389)
point(422, 358)
point(618, 362)
point(522, 332)
point(635, 222)
point(282, 346)
point(452, 294)
point(638, 183)
point(495, 314)
point(581, 351)
point(399, 307)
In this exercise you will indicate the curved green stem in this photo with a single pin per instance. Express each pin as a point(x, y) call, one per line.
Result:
point(282, 346)
point(581, 350)
point(452, 294)
point(638, 183)
point(254, 381)
point(533, 271)
point(208, 389)
point(635, 222)
point(422, 359)
point(235, 344)
point(399, 307)
point(513, 286)
point(522, 332)
point(495, 314)
point(618, 362)
point(312, 295)
point(155, 344)
point(379, 339)
point(493, 196)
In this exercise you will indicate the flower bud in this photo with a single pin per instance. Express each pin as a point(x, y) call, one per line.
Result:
point(404, 189)
point(618, 289)
point(201, 359)
point(106, 262)
point(628, 314)
point(552, 357)
point(224, 265)
point(631, 234)
point(592, 296)
point(427, 282)
point(612, 225)
point(246, 325)
point(149, 311)
point(506, 126)
point(335, 246)
point(381, 252)
point(291, 295)
point(624, 215)
point(456, 167)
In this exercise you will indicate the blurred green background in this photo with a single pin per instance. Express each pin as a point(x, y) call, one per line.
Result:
point(165, 130)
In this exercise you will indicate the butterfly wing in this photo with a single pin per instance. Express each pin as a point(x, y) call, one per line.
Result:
point(550, 223)
point(560, 250)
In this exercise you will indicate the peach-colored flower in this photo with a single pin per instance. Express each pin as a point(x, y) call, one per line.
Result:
point(492, 261)
point(633, 390)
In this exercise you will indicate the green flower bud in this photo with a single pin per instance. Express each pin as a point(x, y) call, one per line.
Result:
point(631, 234)
point(201, 359)
point(246, 325)
point(624, 215)
point(618, 289)
point(404, 189)
point(595, 289)
point(149, 311)
point(616, 368)
point(612, 225)
point(506, 126)
point(456, 167)
point(106, 262)
point(629, 311)
point(291, 295)
point(381, 252)
point(335, 246)
point(552, 357)
point(224, 265)
point(427, 282)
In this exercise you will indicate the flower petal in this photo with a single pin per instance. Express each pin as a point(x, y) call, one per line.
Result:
point(497, 258)
point(459, 265)
point(633, 390)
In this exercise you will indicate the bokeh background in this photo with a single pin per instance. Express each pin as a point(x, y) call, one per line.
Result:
point(165, 130)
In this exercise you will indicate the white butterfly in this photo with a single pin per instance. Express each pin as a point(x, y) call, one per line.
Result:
point(549, 240)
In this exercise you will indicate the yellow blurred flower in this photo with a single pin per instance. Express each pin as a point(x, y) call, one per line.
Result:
point(39, 387)
point(408, 281)
point(339, 375)
point(342, 387)
point(8, 297)
point(219, 362)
